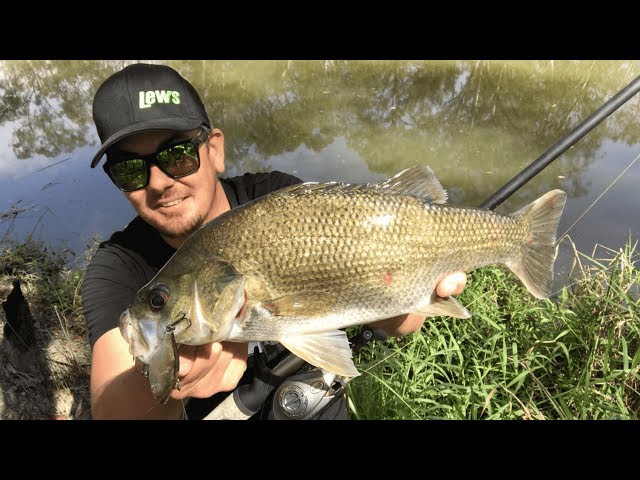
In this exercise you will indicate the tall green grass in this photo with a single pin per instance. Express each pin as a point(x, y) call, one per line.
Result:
point(575, 356)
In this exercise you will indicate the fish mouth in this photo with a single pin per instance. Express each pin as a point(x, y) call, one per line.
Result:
point(133, 335)
point(126, 326)
point(160, 363)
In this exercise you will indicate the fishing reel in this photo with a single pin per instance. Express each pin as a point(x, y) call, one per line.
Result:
point(302, 391)
point(306, 394)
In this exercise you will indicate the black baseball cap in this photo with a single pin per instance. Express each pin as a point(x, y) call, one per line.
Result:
point(143, 97)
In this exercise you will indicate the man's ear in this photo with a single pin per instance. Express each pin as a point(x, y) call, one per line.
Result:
point(216, 149)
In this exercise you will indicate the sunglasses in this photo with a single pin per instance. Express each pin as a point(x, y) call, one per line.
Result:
point(131, 172)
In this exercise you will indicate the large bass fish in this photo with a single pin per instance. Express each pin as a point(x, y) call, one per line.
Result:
point(300, 264)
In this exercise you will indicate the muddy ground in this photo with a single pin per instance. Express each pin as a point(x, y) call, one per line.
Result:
point(44, 359)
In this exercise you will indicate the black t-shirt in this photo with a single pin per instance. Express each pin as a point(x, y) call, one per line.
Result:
point(132, 257)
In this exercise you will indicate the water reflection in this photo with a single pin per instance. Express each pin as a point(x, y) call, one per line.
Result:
point(477, 123)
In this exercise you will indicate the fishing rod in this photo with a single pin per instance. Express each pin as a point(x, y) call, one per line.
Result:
point(303, 395)
point(563, 145)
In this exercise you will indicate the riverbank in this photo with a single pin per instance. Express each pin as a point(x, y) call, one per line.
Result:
point(44, 352)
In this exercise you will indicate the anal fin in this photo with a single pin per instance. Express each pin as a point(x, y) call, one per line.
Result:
point(444, 307)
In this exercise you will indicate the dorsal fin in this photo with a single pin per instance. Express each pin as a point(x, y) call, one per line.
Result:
point(419, 181)
point(309, 187)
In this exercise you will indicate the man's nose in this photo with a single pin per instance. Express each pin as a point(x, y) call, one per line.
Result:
point(158, 180)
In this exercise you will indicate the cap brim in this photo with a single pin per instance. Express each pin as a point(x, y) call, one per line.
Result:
point(171, 123)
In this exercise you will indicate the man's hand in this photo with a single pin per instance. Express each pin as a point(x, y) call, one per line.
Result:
point(401, 325)
point(211, 368)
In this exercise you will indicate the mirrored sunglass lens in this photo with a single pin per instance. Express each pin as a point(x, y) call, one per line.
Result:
point(130, 174)
point(179, 160)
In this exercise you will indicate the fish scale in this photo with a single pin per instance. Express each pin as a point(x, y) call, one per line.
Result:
point(355, 256)
point(298, 265)
point(319, 258)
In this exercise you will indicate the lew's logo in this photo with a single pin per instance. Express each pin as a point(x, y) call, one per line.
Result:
point(158, 96)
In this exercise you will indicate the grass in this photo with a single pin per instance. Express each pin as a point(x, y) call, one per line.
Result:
point(575, 356)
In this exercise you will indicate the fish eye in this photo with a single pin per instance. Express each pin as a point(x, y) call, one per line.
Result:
point(158, 297)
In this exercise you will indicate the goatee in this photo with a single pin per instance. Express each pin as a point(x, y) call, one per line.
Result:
point(182, 231)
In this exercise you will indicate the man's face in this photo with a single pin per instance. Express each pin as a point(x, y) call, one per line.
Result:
point(178, 207)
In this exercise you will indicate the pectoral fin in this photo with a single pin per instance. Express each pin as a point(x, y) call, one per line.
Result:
point(327, 350)
point(306, 304)
point(163, 368)
point(444, 307)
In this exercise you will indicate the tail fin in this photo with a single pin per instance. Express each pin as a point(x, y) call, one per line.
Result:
point(535, 267)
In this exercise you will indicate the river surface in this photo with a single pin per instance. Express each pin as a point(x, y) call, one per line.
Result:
point(476, 123)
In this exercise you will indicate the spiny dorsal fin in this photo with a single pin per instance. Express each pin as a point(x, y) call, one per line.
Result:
point(419, 181)
point(310, 187)
point(327, 350)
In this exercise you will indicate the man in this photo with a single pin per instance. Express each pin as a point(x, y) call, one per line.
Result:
point(163, 153)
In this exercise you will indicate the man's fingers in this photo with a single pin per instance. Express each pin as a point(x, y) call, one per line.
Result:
point(190, 353)
point(452, 284)
point(209, 369)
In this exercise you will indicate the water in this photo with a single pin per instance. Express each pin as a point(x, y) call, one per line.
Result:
point(477, 124)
